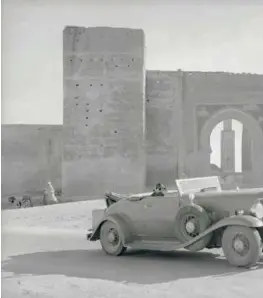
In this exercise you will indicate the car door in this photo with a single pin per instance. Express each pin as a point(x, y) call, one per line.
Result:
point(158, 215)
point(136, 213)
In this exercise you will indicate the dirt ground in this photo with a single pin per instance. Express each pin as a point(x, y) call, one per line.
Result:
point(45, 254)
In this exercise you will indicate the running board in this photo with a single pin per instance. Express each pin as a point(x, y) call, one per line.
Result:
point(156, 245)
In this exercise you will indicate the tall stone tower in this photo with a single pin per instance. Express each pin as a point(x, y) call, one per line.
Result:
point(228, 147)
point(104, 110)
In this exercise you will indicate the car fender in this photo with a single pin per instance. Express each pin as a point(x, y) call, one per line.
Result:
point(235, 220)
point(240, 220)
point(117, 219)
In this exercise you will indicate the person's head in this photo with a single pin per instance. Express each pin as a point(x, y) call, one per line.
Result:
point(160, 187)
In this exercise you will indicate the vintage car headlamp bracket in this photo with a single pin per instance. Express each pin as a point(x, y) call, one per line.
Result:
point(191, 197)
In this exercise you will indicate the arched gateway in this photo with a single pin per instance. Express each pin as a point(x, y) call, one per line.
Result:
point(210, 99)
point(255, 134)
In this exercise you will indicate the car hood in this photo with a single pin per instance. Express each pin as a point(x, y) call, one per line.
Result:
point(229, 200)
point(245, 191)
point(253, 193)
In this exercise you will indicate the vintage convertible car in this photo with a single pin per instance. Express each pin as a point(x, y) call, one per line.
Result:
point(197, 214)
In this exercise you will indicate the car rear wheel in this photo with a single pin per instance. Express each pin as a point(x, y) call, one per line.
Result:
point(241, 246)
point(191, 221)
point(110, 239)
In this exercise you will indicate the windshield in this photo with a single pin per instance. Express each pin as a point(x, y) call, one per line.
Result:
point(187, 186)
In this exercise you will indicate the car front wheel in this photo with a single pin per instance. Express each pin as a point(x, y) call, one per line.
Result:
point(241, 246)
point(110, 239)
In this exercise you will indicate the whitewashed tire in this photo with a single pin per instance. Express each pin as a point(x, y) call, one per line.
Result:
point(241, 246)
point(110, 239)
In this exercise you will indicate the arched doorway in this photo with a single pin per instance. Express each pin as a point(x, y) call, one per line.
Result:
point(249, 175)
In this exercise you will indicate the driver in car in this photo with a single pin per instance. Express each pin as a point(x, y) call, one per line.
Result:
point(159, 190)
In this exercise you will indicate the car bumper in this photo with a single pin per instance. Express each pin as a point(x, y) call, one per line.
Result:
point(89, 234)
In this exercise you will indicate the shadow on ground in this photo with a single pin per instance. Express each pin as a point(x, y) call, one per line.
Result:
point(141, 267)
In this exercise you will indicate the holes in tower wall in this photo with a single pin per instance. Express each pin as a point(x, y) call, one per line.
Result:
point(87, 111)
point(124, 62)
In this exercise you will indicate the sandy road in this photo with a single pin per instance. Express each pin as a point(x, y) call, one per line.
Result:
point(71, 255)
point(45, 254)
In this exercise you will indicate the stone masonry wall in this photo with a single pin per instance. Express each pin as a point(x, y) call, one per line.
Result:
point(104, 104)
point(163, 126)
point(219, 90)
point(112, 138)
point(31, 156)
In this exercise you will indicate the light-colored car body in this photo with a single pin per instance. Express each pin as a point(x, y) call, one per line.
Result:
point(192, 216)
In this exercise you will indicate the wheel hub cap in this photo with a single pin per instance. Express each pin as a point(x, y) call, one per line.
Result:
point(112, 237)
point(239, 245)
point(190, 226)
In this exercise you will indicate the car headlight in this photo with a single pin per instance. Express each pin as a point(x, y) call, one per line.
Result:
point(257, 209)
point(239, 212)
point(191, 196)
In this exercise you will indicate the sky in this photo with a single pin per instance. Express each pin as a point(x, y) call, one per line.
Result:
point(188, 35)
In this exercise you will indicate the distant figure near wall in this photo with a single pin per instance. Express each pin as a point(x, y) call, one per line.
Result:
point(51, 193)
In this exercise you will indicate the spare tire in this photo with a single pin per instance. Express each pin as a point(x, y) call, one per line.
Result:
point(190, 221)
